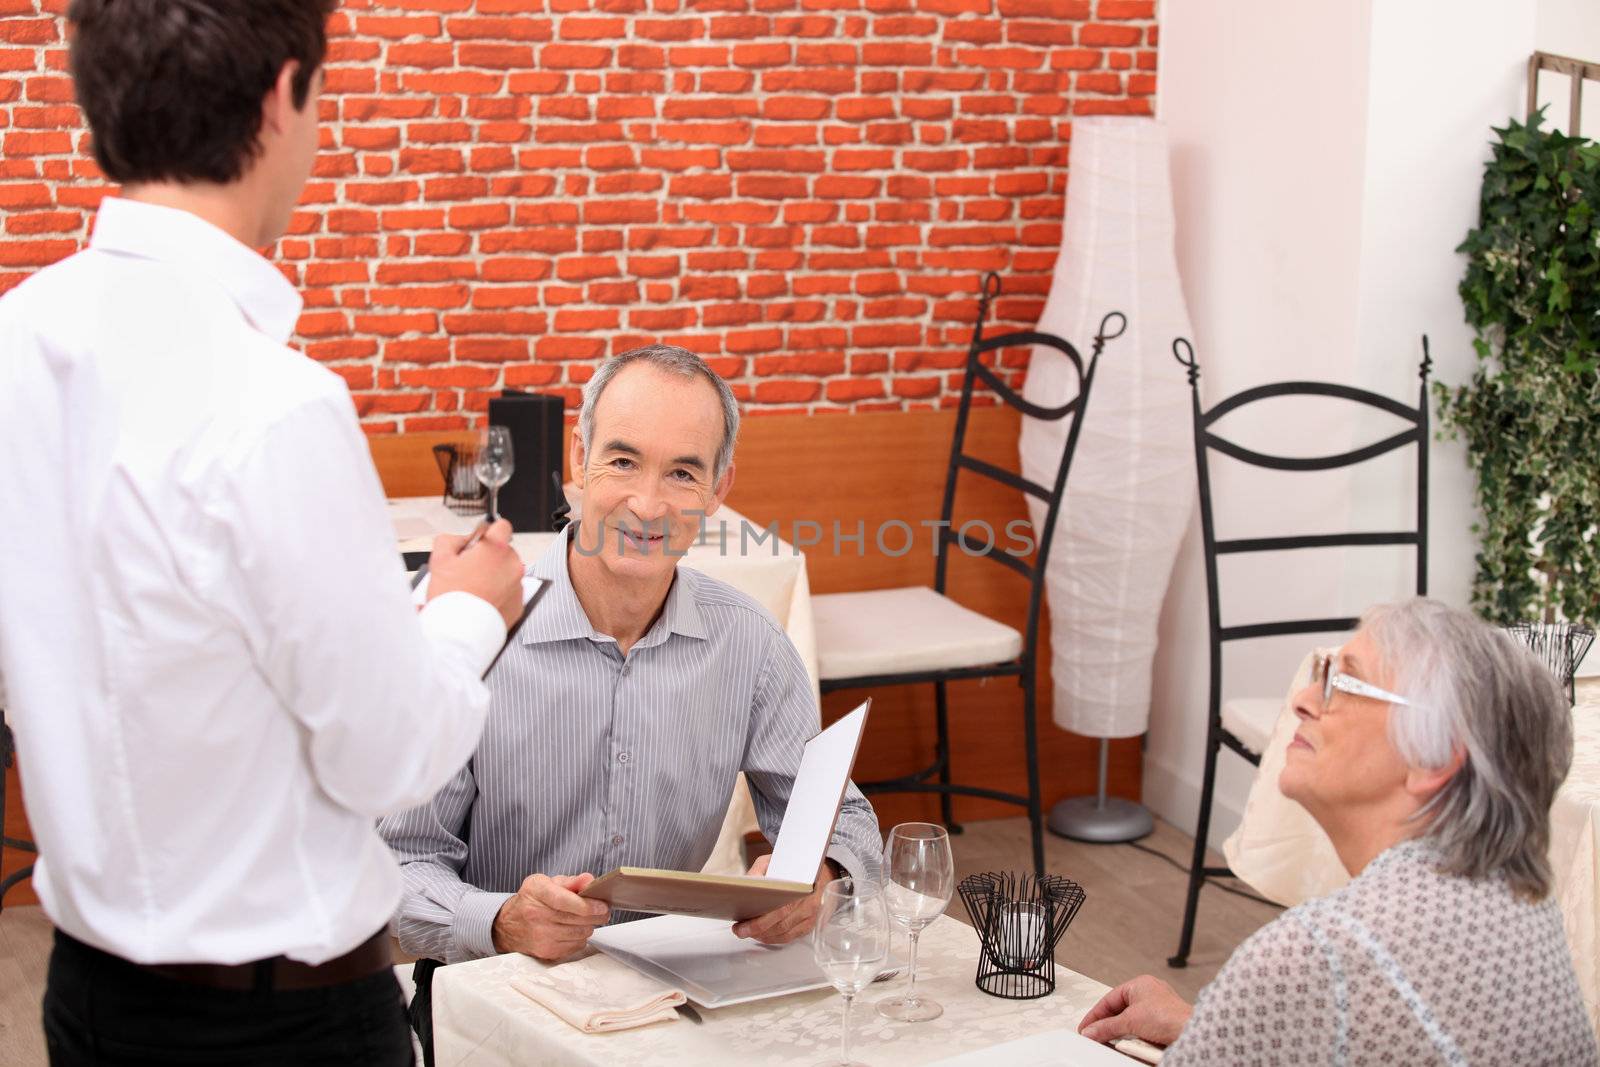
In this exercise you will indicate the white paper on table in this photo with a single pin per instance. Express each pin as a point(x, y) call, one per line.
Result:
point(703, 958)
point(411, 528)
point(819, 787)
point(530, 586)
point(1053, 1048)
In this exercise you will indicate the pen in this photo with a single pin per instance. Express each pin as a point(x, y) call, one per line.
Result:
point(477, 535)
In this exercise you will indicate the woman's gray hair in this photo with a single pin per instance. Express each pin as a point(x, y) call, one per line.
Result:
point(674, 360)
point(1475, 687)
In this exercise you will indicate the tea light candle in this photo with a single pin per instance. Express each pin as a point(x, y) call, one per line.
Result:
point(1021, 938)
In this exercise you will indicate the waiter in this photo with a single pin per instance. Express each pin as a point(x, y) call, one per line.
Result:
point(216, 675)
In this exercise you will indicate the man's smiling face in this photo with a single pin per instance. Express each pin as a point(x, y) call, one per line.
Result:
point(649, 477)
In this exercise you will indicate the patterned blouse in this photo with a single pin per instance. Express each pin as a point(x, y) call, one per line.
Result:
point(1404, 965)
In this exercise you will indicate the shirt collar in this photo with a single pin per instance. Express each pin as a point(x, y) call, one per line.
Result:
point(184, 240)
point(559, 615)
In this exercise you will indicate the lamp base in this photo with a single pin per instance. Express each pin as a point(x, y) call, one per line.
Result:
point(1107, 822)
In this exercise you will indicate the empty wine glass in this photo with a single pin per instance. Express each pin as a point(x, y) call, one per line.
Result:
point(850, 944)
point(495, 463)
point(919, 877)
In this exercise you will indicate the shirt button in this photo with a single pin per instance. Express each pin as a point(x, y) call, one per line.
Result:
point(616, 839)
point(624, 757)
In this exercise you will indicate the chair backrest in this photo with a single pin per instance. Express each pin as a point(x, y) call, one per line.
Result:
point(978, 373)
point(1207, 441)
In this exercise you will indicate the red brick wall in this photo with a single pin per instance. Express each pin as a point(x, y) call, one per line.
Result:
point(802, 190)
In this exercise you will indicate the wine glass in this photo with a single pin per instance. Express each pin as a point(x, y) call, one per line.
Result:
point(850, 944)
point(919, 877)
point(495, 462)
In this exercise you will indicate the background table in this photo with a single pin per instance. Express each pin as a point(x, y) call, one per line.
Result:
point(771, 572)
point(1281, 851)
point(478, 1019)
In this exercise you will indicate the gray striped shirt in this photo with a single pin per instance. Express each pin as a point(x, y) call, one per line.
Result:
point(591, 760)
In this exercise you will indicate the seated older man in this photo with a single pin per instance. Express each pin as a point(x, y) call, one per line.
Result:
point(634, 694)
point(1430, 748)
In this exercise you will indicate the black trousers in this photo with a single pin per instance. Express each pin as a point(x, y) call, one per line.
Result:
point(101, 1009)
point(422, 1007)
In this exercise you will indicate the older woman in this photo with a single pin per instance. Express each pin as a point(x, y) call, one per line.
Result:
point(1429, 749)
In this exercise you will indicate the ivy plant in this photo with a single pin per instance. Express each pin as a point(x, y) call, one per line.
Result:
point(1530, 415)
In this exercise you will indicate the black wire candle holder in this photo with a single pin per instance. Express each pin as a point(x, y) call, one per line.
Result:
point(1561, 646)
point(464, 494)
point(1020, 920)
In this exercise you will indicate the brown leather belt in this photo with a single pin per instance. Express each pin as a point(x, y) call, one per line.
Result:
point(280, 972)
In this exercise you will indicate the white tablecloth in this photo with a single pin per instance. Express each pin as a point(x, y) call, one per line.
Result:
point(479, 1019)
point(1281, 851)
point(772, 572)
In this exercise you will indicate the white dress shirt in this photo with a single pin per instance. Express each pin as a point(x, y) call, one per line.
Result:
point(208, 651)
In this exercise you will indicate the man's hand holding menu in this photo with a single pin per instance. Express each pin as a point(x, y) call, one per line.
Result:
point(547, 919)
point(791, 921)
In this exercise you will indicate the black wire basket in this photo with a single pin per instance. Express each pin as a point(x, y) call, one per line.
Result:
point(1020, 920)
point(464, 494)
point(1560, 645)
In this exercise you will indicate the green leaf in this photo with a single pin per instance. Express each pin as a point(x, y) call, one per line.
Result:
point(1530, 414)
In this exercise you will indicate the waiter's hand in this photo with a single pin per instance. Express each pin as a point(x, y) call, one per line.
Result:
point(547, 919)
point(792, 921)
point(489, 569)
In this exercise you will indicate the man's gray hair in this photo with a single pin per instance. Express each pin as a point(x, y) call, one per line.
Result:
point(1476, 687)
point(674, 360)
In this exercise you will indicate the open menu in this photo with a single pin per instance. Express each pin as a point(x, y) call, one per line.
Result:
point(703, 958)
point(714, 968)
point(802, 842)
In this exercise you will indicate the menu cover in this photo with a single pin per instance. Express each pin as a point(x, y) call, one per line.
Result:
point(714, 968)
point(802, 842)
point(1052, 1048)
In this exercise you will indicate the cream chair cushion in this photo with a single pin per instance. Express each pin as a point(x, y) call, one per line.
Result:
point(898, 631)
point(1279, 849)
point(1251, 720)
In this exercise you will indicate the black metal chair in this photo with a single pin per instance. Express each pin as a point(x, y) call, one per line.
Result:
point(904, 626)
point(1225, 730)
point(7, 749)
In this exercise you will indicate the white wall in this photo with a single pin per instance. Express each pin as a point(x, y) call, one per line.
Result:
point(1326, 162)
point(1265, 113)
point(1428, 136)
point(1569, 28)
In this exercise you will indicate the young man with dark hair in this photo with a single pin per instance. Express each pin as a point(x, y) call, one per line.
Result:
point(216, 675)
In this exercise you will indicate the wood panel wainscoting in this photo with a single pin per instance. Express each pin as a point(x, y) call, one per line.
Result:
point(16, 827)
point(862, 471)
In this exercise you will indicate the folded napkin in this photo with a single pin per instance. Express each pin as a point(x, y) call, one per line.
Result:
point(599, 995)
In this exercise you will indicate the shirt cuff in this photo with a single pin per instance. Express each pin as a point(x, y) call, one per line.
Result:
point(472, 932)
point(853, 867)
point(467, 621)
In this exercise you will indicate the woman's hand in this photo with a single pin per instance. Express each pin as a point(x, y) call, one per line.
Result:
point(1145, 1007)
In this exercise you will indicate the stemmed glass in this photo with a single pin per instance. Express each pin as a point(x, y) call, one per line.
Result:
point(495, 462)
point(919, 878)
point(850, 944)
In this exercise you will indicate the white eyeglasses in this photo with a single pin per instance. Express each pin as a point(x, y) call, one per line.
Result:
point(1323, 673)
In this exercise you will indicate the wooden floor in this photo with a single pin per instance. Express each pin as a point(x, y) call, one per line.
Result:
point(1128, 924)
